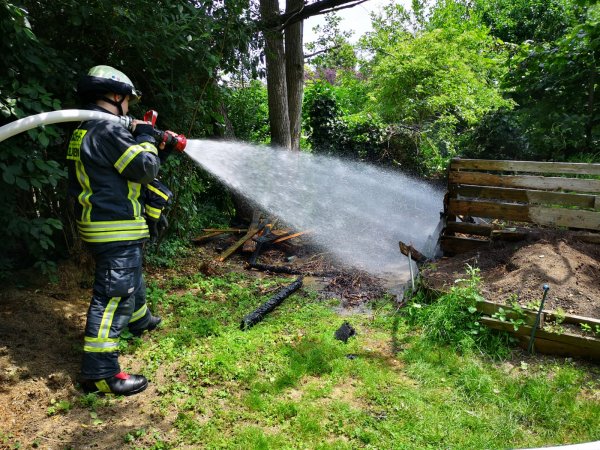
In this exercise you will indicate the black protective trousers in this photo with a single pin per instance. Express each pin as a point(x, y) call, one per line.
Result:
point(118, 301)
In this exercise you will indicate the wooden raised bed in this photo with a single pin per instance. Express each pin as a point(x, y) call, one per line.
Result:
point(551, 194)
point(565, 343)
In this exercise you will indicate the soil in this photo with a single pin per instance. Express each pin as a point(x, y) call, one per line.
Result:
point(518, 271)
point(41, 326)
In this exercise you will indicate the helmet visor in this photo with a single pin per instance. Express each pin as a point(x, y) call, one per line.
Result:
point(134, 97)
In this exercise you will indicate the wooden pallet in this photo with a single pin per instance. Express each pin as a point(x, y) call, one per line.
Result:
point(551, 194)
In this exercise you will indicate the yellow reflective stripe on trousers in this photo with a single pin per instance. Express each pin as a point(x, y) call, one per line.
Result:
point(108, 316)
point(86, 191)
point(100, 345)
point(134, 193)
point(153, 212)
point(139, 313)
point(129, 154)
point(158, 192)
point(102, 386)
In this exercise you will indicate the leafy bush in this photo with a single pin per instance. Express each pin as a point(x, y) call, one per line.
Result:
point(331, 131)
point(248, 112)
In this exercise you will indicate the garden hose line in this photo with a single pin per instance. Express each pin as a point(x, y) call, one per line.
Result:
point(65, 115)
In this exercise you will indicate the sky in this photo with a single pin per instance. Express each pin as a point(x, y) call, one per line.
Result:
point(357, 18)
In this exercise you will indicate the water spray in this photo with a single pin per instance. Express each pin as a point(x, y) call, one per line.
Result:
point(358, 212)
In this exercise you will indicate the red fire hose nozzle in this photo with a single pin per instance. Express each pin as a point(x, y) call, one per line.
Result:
point(172, 140)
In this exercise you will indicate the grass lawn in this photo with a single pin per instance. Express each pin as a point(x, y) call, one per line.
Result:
point(288, 383)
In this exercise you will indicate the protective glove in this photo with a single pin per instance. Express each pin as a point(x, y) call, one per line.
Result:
point(144, 132)
point(153, 228)
point(164, 153)
point(157, 227)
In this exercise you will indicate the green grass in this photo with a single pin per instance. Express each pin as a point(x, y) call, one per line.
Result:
point(287, 383)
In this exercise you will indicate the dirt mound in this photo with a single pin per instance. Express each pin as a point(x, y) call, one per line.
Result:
point(518, 271)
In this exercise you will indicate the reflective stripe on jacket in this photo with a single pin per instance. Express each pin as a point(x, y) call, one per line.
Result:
point(156, 197)
point(108, 169)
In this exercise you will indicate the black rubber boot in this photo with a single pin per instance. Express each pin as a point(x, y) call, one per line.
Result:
point(119, 384)
point(154, 322)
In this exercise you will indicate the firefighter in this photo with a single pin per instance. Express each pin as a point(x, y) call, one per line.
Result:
point(109, 169)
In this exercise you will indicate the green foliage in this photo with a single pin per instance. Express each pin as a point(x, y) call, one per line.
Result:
point(58, 407)
point(248, 112)
point(452, 319)
point(498, 80)
point(555, 83)
point(522, 20)
point(440, 82)
point(288, 375)
point(173, 55)
point(31, 179)
point(357, 136)
point(515, 315)
point(331, 49)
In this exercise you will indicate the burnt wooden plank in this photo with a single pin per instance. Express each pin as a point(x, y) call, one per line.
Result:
point(291, 236)
point(529, 196)
point(454, 245)
point(525, 181)
point(526, 166)
point(561, 217)
point(469, 228)
point(253, 228)
point(407, 249)
point(509, 235)
point(206, 237)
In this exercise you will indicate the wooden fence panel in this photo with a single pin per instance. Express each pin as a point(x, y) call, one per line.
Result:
point(521, 192)
point(526, 182)
point(530, 196)
point(526, 166)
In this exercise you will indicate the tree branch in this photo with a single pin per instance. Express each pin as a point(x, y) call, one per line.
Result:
point(325, 50)
point(310, 10)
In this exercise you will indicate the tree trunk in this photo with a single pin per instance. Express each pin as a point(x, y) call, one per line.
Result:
point(276, 79)
point(294, 69)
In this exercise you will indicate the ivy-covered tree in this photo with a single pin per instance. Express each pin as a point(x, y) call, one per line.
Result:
point(30, 189)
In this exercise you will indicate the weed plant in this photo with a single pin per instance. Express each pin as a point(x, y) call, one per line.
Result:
point(453, 320)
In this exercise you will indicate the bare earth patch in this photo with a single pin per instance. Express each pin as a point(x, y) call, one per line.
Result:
point(517, 271)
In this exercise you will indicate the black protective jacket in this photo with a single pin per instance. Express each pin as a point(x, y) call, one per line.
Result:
point(108, 169)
